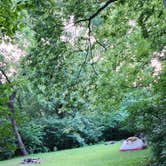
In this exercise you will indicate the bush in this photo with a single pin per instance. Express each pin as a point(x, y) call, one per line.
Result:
point(54, 130)
point(53, 133)
point(157, 118)
point(7, 140)
point(6, 154)
point(158, 140)
point(69, 132)
point(87, 127)
point(148, 113)
point(32, 134)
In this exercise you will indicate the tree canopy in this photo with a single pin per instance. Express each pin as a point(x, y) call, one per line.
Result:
point(90, 67)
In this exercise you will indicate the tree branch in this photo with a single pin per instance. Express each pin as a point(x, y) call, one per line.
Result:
point(4, 74)
point(89, 34)
point(102, 45)
point(97, 12)
point(90, 45)
point(84, 62)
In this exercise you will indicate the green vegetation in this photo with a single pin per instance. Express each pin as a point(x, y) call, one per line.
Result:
point(97, 155)
point(74, 73)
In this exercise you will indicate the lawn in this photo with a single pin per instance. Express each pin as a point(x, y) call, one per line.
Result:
point(96, 155)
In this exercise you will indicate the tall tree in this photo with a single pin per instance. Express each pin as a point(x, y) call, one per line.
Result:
point(9, 23)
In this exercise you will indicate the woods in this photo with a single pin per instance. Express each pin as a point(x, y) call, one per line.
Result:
point(81, 72)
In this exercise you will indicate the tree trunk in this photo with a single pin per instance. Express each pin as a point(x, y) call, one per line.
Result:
point(14, 124)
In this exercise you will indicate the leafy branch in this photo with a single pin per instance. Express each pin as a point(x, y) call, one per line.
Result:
point(89, 34)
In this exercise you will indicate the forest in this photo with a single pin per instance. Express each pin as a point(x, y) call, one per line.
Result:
point(76, 73)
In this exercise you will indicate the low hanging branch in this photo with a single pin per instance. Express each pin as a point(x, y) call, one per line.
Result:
point(89, 33)
point(83, 63)
point(90, 46)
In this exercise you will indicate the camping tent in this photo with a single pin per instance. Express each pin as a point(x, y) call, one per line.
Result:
point(132, 144)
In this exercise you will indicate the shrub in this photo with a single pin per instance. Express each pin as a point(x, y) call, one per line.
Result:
point(32, 135)
point(148, 113)
point(69, 132)
point(7, 141)
point(158, 140)
point(54, 130)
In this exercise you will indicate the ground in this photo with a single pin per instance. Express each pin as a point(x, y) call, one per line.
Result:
point(96, 155)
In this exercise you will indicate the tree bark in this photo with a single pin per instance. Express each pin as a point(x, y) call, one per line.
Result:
point(14, 124)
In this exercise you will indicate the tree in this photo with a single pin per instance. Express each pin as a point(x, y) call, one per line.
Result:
point(128, 36)
point(9, 23)
point(106, 67)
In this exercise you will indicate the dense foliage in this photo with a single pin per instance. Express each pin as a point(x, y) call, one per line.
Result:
point(93, 71)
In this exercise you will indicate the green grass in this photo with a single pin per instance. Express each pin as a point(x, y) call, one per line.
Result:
point(97, 155)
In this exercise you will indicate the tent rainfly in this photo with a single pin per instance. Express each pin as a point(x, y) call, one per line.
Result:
point(132, 143)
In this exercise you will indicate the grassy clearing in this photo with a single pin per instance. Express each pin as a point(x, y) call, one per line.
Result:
point(97, 155)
